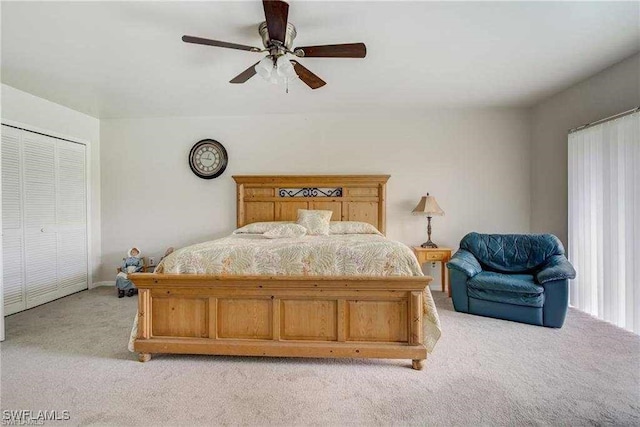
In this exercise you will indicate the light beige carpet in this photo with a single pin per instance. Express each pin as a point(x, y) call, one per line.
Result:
point(71, 355)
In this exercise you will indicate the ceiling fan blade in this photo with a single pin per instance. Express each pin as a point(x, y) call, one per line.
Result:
point(245, 75)
point(310, 79)
point(276, 13)
point(348, 50)
point(217, 43)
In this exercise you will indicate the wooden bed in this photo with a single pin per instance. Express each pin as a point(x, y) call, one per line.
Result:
point(296, 316)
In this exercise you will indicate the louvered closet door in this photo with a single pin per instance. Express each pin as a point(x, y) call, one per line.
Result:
point(12, 231)
point(71, 218)
point(43, 218)
point(39, 175)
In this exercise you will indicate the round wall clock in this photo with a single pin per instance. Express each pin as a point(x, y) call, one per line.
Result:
point(208, 159)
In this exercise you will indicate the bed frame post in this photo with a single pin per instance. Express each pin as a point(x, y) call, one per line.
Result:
point(144, 320)
point(416, 337)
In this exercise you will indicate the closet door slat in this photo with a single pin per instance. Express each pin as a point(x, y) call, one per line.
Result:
point(71, 184)
point(13, 272)
point(71, 215)
point(11, 179)
point(42, 280)
point(12, 232)
point(72, 261)
point(38, 153)
point(39, 171)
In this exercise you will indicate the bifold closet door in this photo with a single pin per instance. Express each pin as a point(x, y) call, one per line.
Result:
point(71, 218)
point(44, 215)
point(12, 230)
point(39, 174)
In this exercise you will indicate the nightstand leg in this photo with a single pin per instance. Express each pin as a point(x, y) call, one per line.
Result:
point(442, 271)
point(144, 357)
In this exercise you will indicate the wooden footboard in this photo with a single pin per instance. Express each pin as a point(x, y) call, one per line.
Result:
point(372, 317)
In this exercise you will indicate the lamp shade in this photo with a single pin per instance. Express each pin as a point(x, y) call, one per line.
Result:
point(264, 68)
point(284, 68)
point(428, 206)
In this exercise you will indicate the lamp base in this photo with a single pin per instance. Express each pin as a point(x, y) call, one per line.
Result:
point(428, 244)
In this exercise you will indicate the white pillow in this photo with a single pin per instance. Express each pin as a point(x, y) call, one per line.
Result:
point(352, 227)
point(260, 227)
point(286, 230)
point(316, 222)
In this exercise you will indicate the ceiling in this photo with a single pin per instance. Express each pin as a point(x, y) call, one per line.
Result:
point(126, 59)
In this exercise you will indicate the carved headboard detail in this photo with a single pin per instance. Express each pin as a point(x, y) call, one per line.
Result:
point(278, 197)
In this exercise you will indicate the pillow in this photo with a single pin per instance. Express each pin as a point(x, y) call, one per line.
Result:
point(352, 227)
point(260, 227)
point(316, 222)
point(285, 230)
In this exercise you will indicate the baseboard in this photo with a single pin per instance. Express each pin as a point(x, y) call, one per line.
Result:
point(107, 283)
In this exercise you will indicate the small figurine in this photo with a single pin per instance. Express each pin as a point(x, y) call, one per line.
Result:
point(131, 264)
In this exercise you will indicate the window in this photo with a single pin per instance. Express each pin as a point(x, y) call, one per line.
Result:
point(604, 220)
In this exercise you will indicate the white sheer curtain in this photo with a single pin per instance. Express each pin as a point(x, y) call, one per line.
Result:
point(604, 220)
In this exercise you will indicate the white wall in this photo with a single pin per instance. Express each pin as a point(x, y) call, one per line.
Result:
point(611, 91)
point(22, 107)
point(476, 163)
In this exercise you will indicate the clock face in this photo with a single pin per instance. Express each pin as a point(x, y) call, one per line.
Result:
point(208, 159)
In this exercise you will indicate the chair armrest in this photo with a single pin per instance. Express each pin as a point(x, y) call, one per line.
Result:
point(465, 262)
point(556, 267)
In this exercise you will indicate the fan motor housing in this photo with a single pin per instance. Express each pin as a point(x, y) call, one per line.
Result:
point(288, 39)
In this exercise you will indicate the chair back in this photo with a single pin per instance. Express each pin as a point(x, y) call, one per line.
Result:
point(512, 253)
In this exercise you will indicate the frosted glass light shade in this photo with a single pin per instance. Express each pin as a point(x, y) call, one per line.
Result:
point(428, 206)
point(284, 68)
point(264, 68)
point(276, 71)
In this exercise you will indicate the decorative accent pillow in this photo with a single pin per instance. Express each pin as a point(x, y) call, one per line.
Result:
point(286, 230)
point(260, 227)
point(316, 222)
point(352, 227)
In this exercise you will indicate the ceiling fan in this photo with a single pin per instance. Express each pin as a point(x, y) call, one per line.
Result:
point(277, 37)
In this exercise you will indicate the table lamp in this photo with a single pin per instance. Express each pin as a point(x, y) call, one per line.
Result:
point(428, 206)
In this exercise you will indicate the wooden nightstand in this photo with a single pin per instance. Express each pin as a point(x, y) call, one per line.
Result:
point(443, 255)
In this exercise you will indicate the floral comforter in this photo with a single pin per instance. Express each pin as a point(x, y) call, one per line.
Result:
point(332, 255)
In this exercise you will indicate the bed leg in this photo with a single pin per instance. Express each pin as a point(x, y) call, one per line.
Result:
point(417, 364)
point(144, 357)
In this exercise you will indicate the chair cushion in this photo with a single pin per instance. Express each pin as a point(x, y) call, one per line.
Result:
point(518, 289)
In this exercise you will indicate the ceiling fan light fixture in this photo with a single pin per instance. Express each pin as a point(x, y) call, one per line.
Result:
point(276, 71)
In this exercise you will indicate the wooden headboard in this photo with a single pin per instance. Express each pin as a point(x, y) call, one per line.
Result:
point(278, 197)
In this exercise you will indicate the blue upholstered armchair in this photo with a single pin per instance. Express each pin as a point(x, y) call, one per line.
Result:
point(519, 277)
